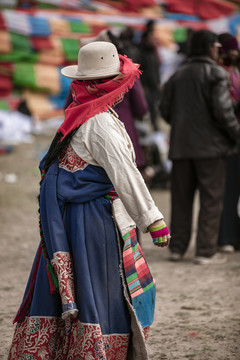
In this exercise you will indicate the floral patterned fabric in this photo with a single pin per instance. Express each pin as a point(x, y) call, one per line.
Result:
point(50, 338)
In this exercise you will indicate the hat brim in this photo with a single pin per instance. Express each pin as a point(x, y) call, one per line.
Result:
point(71, 72)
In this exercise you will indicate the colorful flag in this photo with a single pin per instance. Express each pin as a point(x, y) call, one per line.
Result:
point(5, 42)
point(39, 26)
point(71, 49)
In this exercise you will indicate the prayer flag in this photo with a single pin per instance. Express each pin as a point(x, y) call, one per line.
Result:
point(70, 48)
point(2, 22)
point(5, 85)
point(5, 42)
point(59, 26)
point(24, 75)
point(79, 27)
point(17, 21)
point(41, 43)
point(20, 42)
point(47, 78)
point(39, 26)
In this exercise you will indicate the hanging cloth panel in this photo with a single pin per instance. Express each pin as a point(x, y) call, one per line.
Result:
point(70, 48)
point(39, 26)
point(24, 75)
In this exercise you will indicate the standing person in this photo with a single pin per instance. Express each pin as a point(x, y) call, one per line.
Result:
point(90, 293)
point(204, 130)
point(133, 106)
point(229, 232)
point(128, 46)
point(150, 65)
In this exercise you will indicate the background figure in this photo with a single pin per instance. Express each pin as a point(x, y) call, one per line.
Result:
point(133, 106)
point(132, 109)
point(229, 233)
point(23, 108)
point(204, 129)
point(150, 65)
point(129, 48)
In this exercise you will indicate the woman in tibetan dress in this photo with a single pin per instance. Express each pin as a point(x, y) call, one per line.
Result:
point(90, 294)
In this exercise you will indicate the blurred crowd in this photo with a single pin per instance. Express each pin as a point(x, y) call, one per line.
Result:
point(199, 148)
point(199, 152)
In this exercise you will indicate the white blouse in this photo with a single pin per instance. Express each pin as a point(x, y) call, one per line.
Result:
point(103, 141)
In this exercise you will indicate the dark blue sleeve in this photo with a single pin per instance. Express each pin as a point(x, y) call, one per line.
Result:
point(52, 214)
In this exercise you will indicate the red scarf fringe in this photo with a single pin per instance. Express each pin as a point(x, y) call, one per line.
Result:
point(92, 97)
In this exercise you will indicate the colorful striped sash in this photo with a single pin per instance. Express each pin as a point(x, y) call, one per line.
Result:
point(140, 283)
point(138, 276)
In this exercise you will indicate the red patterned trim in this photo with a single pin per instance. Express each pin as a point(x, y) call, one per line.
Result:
point(62, 263)
point(38, 338)
point(70, 160)
point(146, 332)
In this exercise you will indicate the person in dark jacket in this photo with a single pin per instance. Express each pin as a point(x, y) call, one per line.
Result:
point(204, 130)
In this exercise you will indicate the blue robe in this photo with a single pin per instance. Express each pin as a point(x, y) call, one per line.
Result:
point(84, 247)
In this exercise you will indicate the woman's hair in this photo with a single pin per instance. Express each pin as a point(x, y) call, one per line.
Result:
point(228, 42)
point(201, 41)
point(224, 37)
point(56, 148)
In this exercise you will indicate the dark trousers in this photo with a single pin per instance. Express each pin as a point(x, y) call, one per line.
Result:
point(208, 176)
point(229, 233)
point(152, 97)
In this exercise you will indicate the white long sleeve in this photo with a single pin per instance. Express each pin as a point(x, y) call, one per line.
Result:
point(103, 141)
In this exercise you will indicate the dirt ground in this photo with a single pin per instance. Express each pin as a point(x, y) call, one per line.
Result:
point(198, 307)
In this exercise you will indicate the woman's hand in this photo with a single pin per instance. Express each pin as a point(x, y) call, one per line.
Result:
point(159, 233)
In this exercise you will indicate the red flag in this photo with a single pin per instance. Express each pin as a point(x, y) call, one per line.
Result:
point(205, 9)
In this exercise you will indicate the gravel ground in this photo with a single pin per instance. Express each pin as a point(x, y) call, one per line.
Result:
point(197, 311)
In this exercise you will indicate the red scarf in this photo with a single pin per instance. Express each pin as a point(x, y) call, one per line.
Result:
point(92, 97)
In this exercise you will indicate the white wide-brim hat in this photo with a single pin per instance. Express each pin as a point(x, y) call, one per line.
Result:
point(96, 60)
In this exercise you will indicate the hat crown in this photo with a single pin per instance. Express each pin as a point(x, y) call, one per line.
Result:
point(96, 60)
point(99, 56)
